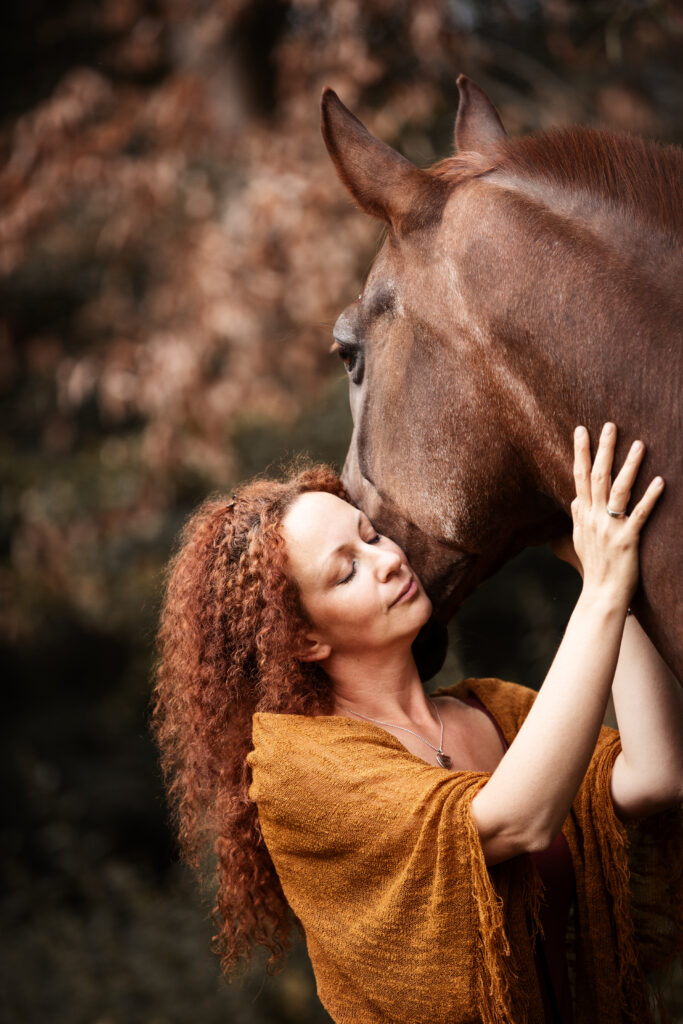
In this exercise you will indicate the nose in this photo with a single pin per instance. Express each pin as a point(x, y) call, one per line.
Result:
point(390, 562)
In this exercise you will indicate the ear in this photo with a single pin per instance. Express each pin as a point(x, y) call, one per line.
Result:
point(383, 183)
point(315, 650)
point(477, 125)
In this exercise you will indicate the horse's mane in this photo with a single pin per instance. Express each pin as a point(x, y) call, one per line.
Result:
point(620, 169)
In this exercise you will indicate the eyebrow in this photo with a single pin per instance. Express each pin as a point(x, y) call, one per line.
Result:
point(340, 547)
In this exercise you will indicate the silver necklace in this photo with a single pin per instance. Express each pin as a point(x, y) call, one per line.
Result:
point(443, 759)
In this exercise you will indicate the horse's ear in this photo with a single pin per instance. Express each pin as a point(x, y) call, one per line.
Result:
point(477, 125)
point(383, 183)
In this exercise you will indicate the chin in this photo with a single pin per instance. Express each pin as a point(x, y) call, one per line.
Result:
point(422, 613)
point(425, 605)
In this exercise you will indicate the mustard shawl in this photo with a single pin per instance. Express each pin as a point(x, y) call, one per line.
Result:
point(380, 860)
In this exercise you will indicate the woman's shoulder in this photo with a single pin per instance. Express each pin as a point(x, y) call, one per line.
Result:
point(295, 739)
point(508, 702)
point(270, 729)
point(283, 725)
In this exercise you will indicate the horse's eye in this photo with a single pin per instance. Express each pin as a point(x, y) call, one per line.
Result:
point(348, 356)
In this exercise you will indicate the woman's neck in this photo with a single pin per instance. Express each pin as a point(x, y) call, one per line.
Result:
point(385, 687)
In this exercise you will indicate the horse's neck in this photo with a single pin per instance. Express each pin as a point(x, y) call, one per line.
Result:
point(589, 335)
point(603, 366)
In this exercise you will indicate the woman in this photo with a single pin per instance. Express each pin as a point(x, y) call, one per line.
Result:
point(429, 848)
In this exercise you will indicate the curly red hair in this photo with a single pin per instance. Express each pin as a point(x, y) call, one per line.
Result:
point(231, 625)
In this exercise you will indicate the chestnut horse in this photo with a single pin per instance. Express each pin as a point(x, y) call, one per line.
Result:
point(524, 286)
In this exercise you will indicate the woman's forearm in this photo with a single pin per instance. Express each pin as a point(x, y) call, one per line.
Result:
point(536, 781)
point(648, 708)
point(648, 704)
point(530, 793)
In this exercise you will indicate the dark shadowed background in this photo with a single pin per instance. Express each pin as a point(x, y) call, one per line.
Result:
point(174, 249)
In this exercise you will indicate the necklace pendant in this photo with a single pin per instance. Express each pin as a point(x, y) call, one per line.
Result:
point(444, 760)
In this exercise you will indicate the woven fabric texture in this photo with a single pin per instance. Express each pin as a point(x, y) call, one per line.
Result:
point(380, 860)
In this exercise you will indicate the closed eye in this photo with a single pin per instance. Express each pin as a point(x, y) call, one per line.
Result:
point(354, 565)
point(348, 578)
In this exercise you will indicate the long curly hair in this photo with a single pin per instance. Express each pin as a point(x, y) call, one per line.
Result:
point(231, 625)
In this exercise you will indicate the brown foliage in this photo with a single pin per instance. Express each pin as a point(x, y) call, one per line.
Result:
point(175, 244)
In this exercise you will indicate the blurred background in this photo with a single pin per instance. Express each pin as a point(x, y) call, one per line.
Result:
point(174, 249)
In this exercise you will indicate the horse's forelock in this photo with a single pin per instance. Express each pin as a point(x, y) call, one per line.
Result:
point(462, 167)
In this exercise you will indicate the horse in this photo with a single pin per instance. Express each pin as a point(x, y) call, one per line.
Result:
point(523, 286)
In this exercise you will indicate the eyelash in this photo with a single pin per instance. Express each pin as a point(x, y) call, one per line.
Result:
point(348, 578)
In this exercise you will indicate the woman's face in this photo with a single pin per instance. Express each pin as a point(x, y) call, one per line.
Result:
point(355, 584)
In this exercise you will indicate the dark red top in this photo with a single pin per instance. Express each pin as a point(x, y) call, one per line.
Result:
point(557, 871)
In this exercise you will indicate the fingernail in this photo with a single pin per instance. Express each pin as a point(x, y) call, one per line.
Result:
point(637, 446)
point(580, 431)
point(659, 481)
point(608, 428)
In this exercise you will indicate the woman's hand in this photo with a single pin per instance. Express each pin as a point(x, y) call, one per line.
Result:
point(607, 547)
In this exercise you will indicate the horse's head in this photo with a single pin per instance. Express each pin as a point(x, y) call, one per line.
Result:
point(523, 286)
point(433, 458)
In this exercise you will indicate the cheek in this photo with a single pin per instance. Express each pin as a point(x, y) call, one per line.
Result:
point(357, 604)
point(355, 607)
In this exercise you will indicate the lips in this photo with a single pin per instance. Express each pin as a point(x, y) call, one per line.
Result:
point(406, 591)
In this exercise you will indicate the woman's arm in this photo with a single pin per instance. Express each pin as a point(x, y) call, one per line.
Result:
point(647, 775)
point(525, 802)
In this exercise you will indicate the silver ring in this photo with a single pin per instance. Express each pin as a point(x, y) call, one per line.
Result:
point(615, 515)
